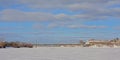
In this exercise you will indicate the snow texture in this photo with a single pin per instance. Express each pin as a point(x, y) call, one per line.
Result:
point(60, 53)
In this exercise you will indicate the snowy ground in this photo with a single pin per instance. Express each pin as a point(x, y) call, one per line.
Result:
point(57, 53)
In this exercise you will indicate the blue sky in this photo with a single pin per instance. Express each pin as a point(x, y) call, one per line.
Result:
point(59, 21)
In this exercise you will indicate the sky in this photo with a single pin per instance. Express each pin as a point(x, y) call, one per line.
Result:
point(59, 21)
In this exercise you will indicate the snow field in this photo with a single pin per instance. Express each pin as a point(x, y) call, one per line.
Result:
point(60, 53)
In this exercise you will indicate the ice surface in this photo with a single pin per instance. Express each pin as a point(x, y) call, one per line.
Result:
point(60, 53)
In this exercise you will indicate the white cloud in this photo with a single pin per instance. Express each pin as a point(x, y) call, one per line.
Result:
point(11, 28)
point(38, 26)
point(86, 26)
point(72, 26)
point(91, 10)
point(16, 15)
point(117, 28)
point(52, 25)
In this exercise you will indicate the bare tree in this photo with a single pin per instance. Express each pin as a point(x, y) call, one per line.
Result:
point(82, 42)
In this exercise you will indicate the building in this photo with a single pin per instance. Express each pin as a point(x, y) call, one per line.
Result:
point(103, 43)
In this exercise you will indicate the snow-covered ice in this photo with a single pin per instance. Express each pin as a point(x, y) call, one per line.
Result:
point(60, 53)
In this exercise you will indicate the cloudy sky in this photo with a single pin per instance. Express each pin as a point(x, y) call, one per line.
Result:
point(59, 21)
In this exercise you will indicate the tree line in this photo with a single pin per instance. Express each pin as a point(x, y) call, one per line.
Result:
point(15, 44)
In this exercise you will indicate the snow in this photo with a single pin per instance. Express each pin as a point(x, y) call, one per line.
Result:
point(60, 53)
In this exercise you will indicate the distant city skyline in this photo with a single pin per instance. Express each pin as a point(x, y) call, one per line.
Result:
point(59, 21)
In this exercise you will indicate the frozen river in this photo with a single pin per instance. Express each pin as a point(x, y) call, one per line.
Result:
point(57, 53)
